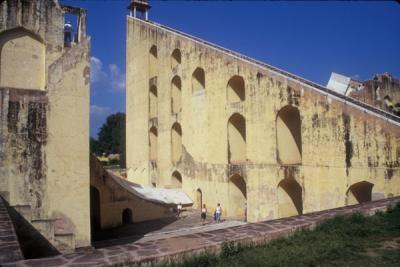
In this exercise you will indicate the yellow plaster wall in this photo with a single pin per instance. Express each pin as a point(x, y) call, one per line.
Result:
point(68, 144)
point(341, 144)
point(114, 199)
point(22, 60)
point(57, 193)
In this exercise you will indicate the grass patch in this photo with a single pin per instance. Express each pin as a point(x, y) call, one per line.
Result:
point(353, 240)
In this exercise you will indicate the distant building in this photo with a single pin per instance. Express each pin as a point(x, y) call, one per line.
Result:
point(343, 85)
point(383, 91)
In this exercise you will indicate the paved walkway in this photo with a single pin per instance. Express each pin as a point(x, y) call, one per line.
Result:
point(188, 223)
point(159, 249)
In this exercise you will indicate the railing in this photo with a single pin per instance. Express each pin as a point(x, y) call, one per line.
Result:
point(314, 86)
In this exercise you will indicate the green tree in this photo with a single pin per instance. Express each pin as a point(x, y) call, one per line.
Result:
point(111, 137)
point(95, 146)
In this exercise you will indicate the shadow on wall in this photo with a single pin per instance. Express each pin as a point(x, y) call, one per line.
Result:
point(290, 202)
point(359, 193)
point(33, 244)
point(288, 134)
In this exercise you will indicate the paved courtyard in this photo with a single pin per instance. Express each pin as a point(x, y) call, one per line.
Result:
point(179, 245)
point(188, 223)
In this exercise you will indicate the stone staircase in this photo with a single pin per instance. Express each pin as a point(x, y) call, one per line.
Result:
point(49, 228)
point(10, 249)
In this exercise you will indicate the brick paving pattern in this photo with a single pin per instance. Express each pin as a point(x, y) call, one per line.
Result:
point(142, 251)
point(9, 247)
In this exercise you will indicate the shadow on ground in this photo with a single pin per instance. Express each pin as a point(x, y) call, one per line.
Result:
point(129, 233)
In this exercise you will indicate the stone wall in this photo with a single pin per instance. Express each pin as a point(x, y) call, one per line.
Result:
point(44, 138)
point(267, 143)
point(110, 200)
point(383, 92)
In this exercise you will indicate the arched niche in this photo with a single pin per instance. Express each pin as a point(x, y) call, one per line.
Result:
point(127, 217)
point(153, 136)
point(198, 80)
point(176, 142)
point(153, 55)
point(288, 135)
point(22, 60)
point(237, 196)
point(176, 95)
point(359, 193)
point(176, 180)
point(153, 102)
point(290, 201)
point(95, 212)
point(236, 139)
point(176, 58)
point(236, 90)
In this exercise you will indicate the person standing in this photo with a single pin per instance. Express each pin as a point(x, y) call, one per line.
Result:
point(179, 210)
point(68, 30)
point(218, 213)
point(203, 213)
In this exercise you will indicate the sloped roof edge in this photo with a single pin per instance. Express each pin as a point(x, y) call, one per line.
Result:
point(391, 118)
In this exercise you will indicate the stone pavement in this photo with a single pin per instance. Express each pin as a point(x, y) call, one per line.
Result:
point(155, 250)
point(188, 223)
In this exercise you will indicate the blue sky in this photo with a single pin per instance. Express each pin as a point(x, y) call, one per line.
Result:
point(310, 39)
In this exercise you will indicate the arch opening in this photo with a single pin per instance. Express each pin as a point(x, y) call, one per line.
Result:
point(176, 180)
point(176, 58)
point(127, 216)
point(236, 139)
point(95, 219)
point(176, 142)
point(359, 193)
point(22, 60)
point(153, 55)
point(288, 135)
point(238, 196)
point(290, 201)
point(198, 80)
point(236, 90)
point(153, 136)
point(153, 100)
point(176, 95)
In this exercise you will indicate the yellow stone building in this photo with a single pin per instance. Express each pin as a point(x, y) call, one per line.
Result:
point(44, 128)
point(232, 130)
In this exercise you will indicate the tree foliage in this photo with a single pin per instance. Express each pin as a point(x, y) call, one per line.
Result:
point(111, 137)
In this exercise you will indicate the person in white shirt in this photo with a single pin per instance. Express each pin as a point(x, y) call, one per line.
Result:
point(218, 212)
point(204, 213)
point(179, 210)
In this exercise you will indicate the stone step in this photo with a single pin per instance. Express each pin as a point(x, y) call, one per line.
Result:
point(45, 227)
point(64, 242)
